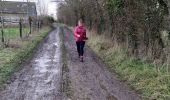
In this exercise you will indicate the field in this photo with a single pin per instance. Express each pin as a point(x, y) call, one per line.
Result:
point(13, 33)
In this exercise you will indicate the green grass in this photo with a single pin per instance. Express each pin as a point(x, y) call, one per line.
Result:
point(12, 58)
point(143, 77)
point(13, 33)
point(66, 86)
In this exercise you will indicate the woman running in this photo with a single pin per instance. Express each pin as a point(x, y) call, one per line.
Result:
point(80, 36)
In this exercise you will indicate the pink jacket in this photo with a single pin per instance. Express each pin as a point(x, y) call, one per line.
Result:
point(80, 33)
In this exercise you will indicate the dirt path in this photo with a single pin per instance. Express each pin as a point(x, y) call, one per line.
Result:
point(39, 80)
point(91, 80)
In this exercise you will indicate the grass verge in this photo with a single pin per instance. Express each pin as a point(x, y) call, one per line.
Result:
point(66, 87)
point(12, 58)
point(141, 76)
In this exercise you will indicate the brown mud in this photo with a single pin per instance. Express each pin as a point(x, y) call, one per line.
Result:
point(91, 80)
point(41, 78)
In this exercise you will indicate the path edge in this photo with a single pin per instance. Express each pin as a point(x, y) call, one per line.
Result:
point(66, 90)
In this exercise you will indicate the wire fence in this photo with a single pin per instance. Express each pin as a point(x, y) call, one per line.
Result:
point(18, 22)
point(14, 29)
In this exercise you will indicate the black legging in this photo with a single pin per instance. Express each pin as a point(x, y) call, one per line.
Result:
point(80, 47)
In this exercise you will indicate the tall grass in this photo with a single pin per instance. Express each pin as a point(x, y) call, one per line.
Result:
point(142, 76)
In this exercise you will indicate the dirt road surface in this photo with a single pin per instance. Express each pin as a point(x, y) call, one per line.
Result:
point(91, 80)
point(41, 79)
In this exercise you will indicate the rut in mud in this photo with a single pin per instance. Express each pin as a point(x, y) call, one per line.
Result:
point(41, 78)
point(91, 80)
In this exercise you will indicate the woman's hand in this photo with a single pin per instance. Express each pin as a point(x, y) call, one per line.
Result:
point(78, 35)
point(86, 38)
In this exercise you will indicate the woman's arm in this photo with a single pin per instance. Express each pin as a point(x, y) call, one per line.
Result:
point(85, 36)
point(76, 33)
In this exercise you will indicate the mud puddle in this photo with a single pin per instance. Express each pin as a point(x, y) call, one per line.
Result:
point(41, 79)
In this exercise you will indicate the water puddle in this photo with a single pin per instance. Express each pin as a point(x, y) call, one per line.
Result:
point(42, 80)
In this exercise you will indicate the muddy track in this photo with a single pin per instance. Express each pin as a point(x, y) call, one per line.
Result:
point(41, 78)
point(91, 80)
point(44, 78)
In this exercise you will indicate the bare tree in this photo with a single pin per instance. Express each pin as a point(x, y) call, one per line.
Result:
point(138, 23)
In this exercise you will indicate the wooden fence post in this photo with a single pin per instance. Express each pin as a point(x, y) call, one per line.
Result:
point(20, 27)
point(2, 30)
point(30, 23)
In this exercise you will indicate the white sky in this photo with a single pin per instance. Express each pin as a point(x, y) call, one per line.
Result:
point(49, 6)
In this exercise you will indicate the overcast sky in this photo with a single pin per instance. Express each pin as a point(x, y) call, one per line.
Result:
point(50, 6)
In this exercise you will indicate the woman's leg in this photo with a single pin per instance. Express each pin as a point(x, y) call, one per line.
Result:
point(78, 47)
point(82, 50)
